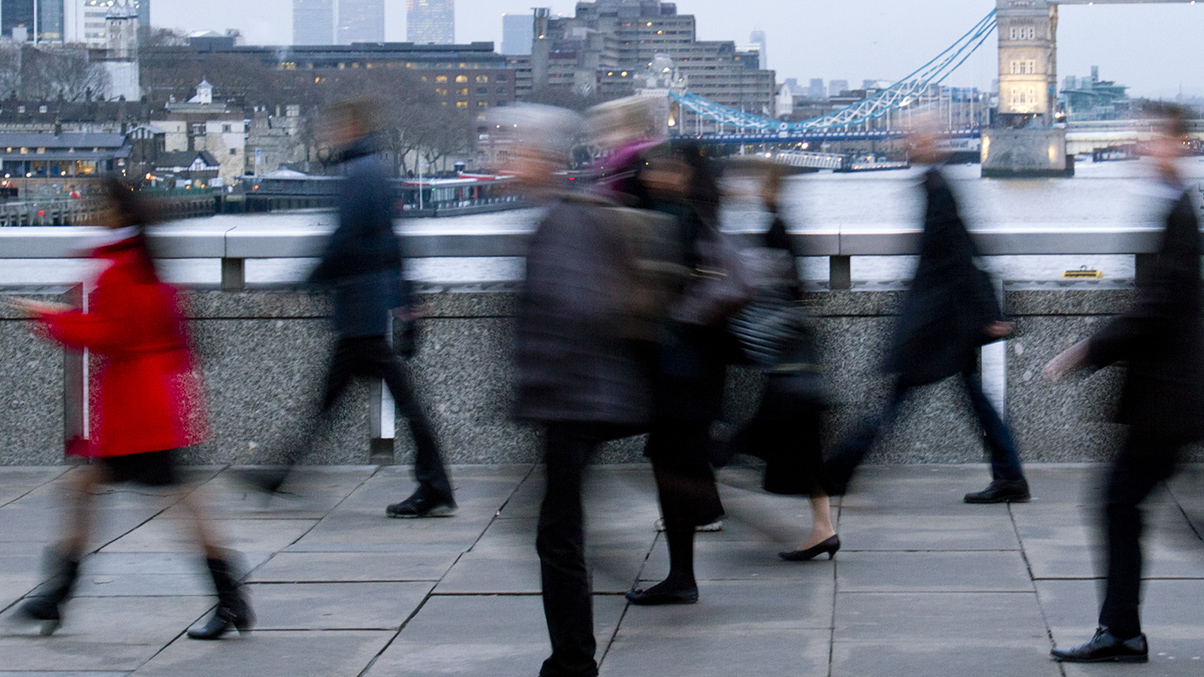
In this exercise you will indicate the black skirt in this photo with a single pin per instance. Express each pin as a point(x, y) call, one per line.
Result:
point(150, 469)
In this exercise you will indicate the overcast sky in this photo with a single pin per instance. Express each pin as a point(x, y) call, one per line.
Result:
point(1154, 49)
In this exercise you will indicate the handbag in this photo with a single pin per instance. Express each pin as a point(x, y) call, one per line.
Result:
point(723, 281)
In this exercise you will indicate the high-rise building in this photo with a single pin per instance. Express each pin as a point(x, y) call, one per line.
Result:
point(837, 87)
point(608, 46)
point(431, 22)
point(313, 22)
point(42, 20)
point(759, 39)
point(815, 91)
point(518, 33)
point(84, 20)
point(361, 21)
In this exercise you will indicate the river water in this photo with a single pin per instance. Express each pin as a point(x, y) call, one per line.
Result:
point(1101, 195)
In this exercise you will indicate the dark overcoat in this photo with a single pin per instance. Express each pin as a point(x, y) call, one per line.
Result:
point(951, 301)
point(572, 365)
point(363, 259)
point(1161, 337)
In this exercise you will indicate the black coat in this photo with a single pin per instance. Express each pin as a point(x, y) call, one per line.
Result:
point(572, 367)
point(1161, 336)
point(363, 258)
point(951, 302)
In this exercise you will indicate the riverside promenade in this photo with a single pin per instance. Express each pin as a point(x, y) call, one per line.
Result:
point(925, 586)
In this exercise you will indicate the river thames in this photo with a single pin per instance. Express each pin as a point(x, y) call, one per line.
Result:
point(1114, 194)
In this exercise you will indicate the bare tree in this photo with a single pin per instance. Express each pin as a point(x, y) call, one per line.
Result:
point(38, 74)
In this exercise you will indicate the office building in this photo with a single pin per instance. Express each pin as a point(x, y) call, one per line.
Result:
point(518, 33)
point(837, 88)
point(431, 22)
point(32, 20)
point(361, 21)
point(313, 22)
point(469, 77)
point(815, 91)
point(608, 46)
point(759, 39)
point(84, 20)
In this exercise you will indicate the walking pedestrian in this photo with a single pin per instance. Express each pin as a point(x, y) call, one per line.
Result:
point(690, 378)
point(786, 430)
point(950, 311)
point(1162, 341)
point(363, 265)
point(579, 379)
point(148, 405)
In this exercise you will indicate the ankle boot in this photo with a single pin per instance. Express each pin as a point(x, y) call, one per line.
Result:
point(46, 605)
point(233, 611)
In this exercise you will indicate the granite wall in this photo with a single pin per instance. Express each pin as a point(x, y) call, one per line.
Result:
point(265, 352)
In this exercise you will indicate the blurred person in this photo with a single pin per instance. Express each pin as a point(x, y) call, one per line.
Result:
point(1161, 339)
point(148, 405)
point(690, 379)
point(363, 265)
point(582, 383)
point(624, 130)
point(950, 311)
point(786, 430)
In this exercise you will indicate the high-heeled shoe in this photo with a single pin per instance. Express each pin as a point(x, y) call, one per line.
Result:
point(829, 546)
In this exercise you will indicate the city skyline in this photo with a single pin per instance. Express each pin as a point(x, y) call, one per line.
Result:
point(873, 42)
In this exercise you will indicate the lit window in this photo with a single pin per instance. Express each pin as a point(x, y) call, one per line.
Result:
point(461, 104)
point(441, 78)
point(462, 92)
point(461, 78)
point(441, 91)
point(482, 104)
point(482, 78)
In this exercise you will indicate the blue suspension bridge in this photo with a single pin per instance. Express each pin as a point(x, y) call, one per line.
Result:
point(852, 123)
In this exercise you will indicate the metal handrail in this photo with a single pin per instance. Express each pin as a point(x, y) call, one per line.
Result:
point(235, 244)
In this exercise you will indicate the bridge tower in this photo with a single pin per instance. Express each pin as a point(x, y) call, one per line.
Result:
point(1028, 61)
point(1024, 142)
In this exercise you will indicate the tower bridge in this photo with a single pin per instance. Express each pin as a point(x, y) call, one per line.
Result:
point(1025, 141)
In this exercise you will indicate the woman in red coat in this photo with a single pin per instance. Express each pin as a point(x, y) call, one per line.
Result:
point(147, 404)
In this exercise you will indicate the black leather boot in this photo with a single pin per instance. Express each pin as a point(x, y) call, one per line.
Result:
point(46, 606)
point(233, 610)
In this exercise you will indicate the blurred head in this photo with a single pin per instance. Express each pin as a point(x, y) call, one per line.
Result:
point(771, 189)
point(616, 124)
point(124, 207)
point(351, 120)
point(542, 140)
point(925, 137)
point(1167, 146)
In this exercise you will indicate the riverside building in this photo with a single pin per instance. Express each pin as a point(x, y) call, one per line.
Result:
point(609, 45)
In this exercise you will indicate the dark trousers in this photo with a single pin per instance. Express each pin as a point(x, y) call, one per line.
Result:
point(371, 357)
point(680, 451)
point(1147, 459)
point(567, 596)
point(1005, 461)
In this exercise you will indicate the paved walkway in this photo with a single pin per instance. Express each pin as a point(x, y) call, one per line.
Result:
point(925, 586)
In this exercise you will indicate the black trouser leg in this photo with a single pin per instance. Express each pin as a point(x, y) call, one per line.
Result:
point(567, 601)
point(1005, 461)
point(838, 470)
point(429, 471)
point(1145, 461)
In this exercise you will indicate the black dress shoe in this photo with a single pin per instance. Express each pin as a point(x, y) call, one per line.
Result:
point(420, 504)
point(1106, 647)
point(1002, 491)
point(829, 546)
point(663, 593)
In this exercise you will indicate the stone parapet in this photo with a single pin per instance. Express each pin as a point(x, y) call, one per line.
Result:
point(265, 352)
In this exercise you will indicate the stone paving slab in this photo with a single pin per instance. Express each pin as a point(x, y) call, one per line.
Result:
point(270, 654)
point(925, 585)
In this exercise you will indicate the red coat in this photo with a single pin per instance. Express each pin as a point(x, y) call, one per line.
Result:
point(147, 394)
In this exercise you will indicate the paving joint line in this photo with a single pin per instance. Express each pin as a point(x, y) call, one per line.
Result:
point(1036, 593)
point(431, 593)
